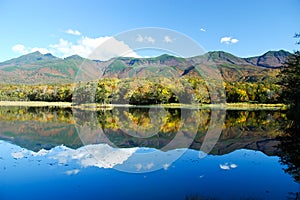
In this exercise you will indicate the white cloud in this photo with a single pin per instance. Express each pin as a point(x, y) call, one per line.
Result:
point(149, 39)
point(72, 172)
point(224, 167)
point(228, 166)
point(98, 155)
point(202, 30)
point(41, 50)
point(108, 47)
point(229, 40)
point(168, 39)
point(65, 48)
point(149, 166)
point(225, 40)
point(138, 166)
point(166, 166)
point(41, 152)
point(101, 48)
point(233, 166)
point(24, 152)
point(139, 38)
point(19, 154)
point(145, 39)
point(234, 40)
point(73, 32)
point(19, 48)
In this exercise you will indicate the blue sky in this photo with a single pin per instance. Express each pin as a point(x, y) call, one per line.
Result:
point(248, 28)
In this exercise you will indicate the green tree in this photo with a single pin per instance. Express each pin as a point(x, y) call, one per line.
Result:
point(290, 141)
point(290, 78)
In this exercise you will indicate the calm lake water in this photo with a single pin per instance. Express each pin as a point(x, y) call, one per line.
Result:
point(147, 153)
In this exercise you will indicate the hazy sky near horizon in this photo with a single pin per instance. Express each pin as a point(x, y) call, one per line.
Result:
point(243, 28)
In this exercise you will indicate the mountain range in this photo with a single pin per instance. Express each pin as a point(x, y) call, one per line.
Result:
point(37, 68)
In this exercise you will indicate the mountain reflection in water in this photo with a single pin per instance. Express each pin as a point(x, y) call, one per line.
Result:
point(45, 128)
point(95, 148)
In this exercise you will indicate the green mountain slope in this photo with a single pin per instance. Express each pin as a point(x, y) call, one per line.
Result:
point(35, 57)
point(37, 68)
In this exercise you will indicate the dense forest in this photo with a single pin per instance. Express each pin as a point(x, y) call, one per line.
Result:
point(141, 91)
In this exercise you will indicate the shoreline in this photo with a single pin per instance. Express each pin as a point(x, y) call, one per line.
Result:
point(226, 106)
point(36, 104)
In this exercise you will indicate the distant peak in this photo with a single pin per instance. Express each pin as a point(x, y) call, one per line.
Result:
point(219, 53)
point(73, 57)
point(49, 55)
point(166, 56)
point(34, 53)
point(38, 53)
point(277, 53)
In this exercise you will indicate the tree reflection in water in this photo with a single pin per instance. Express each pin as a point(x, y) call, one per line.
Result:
point(49, 127)
point(290, 145)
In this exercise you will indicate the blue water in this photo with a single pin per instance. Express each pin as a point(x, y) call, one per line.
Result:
point(102, 172)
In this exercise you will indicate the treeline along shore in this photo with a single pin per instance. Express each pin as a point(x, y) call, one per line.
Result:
point(143, 92)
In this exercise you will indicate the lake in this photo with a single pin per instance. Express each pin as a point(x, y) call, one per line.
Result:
point(147, 153)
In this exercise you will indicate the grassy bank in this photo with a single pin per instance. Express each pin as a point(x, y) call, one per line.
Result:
point(36, 104)
point(258, 106)
point(231, 106)
point(228, 106)
point(55, 104)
